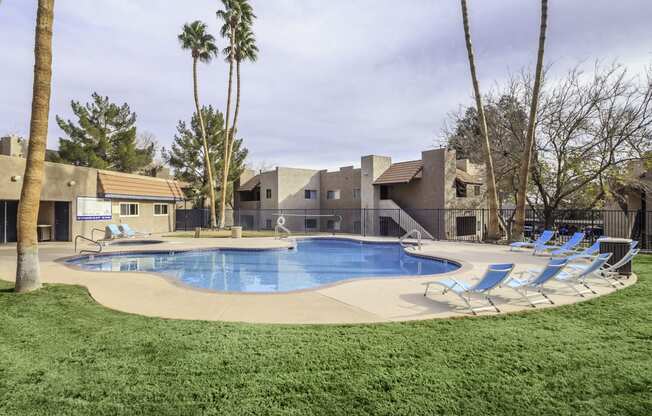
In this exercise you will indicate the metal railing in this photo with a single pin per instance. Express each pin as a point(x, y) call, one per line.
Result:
point(455, 224)
point(78, 237)
point(410, 233)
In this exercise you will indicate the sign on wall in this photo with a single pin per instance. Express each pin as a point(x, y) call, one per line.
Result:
point(93, 209)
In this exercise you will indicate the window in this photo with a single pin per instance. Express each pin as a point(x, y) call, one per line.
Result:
point(253, 195)
point(310, 223)
point(333, 194)
point(476, 190)
point(465, 225)
point(356, 193)
point(129, 210)
point(161, 209)
point(268, 193)
point(310, 194)
point(268, 224)
point(333, 225)
point(385, 192)
point(460, 189)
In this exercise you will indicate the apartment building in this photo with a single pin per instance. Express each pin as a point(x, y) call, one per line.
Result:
point(379, 198)
point(77, 200)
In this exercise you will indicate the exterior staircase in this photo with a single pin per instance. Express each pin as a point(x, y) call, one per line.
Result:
point(402, 218)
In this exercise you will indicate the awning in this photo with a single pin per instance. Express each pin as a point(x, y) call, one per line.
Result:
point(402, 172)
point(126, 186)
point(250, 184)
point(465, 177)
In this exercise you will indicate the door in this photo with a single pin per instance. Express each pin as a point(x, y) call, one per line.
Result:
point(8, 221)
point(62, 221)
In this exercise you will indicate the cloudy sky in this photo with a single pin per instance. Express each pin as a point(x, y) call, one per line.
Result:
point(335, 79)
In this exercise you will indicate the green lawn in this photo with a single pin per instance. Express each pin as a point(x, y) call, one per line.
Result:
point(61, 353)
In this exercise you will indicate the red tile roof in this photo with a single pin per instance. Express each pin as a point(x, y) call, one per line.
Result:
point(124, 185)
point(465, 177)
point(402, 172)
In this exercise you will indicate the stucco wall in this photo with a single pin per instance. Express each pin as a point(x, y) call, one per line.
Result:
point(65, 183)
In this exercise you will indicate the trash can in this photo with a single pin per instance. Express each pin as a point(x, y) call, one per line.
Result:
point(618, 247)
point(236, 232)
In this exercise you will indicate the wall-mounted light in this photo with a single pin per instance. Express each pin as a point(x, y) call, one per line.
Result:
point(72, 183)
point(15, 178)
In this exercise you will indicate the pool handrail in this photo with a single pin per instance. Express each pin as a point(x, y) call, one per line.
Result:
point(408, 234)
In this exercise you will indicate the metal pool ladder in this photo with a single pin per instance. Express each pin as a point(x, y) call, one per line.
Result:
point(99, 250)
point(280, 226)
point(409, 234)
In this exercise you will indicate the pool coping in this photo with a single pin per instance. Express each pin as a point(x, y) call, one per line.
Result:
point(463, 265)
point(357, 301)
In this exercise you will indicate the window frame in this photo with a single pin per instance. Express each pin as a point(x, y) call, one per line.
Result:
point(310, 194)
point(336, 194)
point(136, 204)
point(305, 224)
point(356, 193)
point(161, 204)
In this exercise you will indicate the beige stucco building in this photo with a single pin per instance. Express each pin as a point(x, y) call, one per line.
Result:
point(76, 200)
point(437, 194)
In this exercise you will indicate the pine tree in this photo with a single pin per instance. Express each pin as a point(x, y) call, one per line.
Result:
point(187, 158)
point(104, 137)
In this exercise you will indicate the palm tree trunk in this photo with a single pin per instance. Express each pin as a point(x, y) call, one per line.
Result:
point(207, 158)
point(27, 264)
point(493, 228)
point(235, 115)
point(529, 141)
point(225, 172)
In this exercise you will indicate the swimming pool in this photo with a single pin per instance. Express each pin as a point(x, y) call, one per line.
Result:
point(313, 263)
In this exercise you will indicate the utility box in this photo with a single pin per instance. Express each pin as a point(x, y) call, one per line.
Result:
point(618, 247)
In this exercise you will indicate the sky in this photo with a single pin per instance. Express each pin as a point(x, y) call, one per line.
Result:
point(334, 80)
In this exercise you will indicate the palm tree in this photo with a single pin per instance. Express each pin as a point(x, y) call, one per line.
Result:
point(27, 264)
point(529, 140)
point(201, 44)
point(493, 228)
point(236, 14)
point(245, 50)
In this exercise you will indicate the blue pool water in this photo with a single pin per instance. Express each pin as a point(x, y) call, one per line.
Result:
point(314, 262)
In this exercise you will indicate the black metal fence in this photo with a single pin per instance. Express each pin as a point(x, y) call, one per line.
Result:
point(440, 224)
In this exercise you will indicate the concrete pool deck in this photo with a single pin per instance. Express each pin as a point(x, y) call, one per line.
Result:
point(357, 301)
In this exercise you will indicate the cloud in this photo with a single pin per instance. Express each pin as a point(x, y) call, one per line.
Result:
point(334, 80)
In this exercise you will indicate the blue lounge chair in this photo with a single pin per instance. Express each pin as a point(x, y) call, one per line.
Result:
point(587, 253)
point(112, 232)
point(541, 241)
point(536, 280)
point(129, 232)
point(566, 248)
point(609, 272)
point(493, 277)
point(579, 276)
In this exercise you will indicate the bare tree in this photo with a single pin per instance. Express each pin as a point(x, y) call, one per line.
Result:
point(588, 126)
